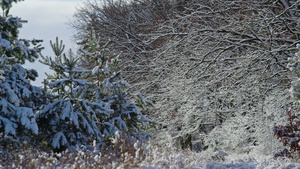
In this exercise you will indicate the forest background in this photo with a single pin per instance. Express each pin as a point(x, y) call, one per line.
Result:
point(216, 70)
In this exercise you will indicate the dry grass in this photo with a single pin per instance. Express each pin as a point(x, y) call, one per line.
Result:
point(126, 154)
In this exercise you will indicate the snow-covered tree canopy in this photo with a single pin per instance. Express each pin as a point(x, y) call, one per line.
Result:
point(213, 67)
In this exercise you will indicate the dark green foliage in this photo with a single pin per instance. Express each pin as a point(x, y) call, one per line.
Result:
point(18, 98)
point(16, 50)
point(87, 105)
point(68, 119)
point(109, 86)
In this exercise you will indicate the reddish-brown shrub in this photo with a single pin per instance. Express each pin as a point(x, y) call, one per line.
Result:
point(289, 134)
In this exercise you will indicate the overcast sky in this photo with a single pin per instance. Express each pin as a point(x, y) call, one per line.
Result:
point(46, 20)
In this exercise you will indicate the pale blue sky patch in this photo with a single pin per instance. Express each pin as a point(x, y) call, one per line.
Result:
point(46, 20)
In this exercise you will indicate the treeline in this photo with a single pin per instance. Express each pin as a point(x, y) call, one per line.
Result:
point(77, 107)
point(216, 69)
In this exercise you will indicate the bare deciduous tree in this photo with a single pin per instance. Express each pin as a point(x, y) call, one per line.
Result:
point(223, 60)
point(208, 64)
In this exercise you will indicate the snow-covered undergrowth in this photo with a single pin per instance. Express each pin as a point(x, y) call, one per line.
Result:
point(134, 155)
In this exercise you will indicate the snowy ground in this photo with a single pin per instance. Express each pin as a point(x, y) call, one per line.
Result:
point(248, 165)
point(268, 164)
point(157, 159)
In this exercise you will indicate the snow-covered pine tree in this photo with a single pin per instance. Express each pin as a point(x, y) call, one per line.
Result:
point(88, 105)
point(70, 118)
point(109, 87)
point(18, 98)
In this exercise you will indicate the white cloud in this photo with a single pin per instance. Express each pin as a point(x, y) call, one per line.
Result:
point(45, 12)
point(46, 20)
